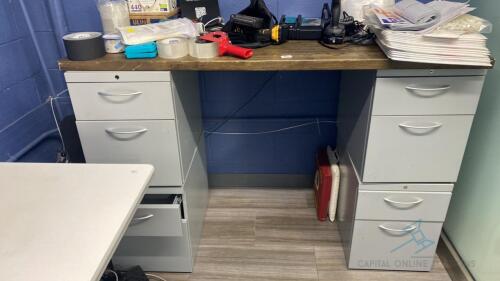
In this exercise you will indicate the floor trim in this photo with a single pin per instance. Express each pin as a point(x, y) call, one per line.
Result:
point(451, 260)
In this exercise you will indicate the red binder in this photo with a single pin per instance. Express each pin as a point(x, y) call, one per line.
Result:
point(322, 184)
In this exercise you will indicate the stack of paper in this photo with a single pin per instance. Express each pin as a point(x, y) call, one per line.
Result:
point(408, 41)
point(468, 49)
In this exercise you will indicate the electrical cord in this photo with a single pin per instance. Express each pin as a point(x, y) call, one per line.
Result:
point(156, 276)
point(317, 123)
point(114, 273)
point(30, 112)
point(355, 33)
point(220, 19)
point(247, 102)
point(51, 101)
point(57, 123)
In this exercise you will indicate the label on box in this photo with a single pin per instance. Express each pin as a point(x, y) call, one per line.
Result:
point(149, 6)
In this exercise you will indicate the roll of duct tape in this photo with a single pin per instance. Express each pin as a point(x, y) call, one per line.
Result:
point(84, 45)
point(173, 48)
point(202, 49)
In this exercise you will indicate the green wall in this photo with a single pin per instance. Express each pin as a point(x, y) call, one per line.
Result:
point(473, 222)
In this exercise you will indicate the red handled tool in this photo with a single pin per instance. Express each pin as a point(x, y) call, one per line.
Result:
point(225, 46)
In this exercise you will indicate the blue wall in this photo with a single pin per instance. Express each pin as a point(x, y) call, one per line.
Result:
point(286, 98)
point(277, 100)
point(27, 79)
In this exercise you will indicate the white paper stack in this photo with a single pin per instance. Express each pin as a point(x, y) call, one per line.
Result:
point(468, 49)
point(427, 45)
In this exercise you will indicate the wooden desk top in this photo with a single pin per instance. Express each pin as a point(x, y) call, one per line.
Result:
point(64, 221)
point(293, 55)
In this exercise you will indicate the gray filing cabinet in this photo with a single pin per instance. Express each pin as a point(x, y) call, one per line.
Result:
point(402, 136)
point(155, 118)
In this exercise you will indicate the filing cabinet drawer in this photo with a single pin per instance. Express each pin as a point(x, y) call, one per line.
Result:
point(391, 205)
point(427, 95)
point(135, 142)
point(117, 76)
point(396, 245)
point(172, 254)
point(157, 215)
point(415, 148)
point(122, 101)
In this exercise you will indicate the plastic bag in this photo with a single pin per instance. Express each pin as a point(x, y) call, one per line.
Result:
point(114, 14)
point(466, 24)
point(133, 35)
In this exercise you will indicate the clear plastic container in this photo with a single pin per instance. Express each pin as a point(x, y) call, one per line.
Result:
point(114, 14)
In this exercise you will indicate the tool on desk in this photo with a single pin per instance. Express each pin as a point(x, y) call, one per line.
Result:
point(344, 29)
point(83, 46)
point(147, 50)
point(246, 27)
point(306, 28)
point(225, 46)
point(173, 48)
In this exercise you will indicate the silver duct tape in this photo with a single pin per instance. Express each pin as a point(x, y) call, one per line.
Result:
point(82, 46)
point(203, 49)
point(173, 48)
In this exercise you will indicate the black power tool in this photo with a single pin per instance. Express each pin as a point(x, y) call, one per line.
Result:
point(345, 29)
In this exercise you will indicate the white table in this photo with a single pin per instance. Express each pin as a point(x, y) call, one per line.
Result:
point(61, 222)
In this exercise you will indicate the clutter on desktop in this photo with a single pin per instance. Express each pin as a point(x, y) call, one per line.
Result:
point(435, 32)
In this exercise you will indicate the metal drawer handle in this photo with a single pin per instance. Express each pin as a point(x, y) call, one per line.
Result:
point(428, 92)
point(412, 203)
point(434, 125)
point(105, 94)
point(404, 230)
point(141, 219)
point(113, 132)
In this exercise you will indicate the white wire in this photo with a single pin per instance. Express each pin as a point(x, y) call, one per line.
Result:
point(271, 131)
point(57, 123)
point(30, 112)
point(51, 101)
point(156, 276)
point(221, 19)
point(114, 273)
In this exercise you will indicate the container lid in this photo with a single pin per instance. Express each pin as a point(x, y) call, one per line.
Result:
point(112, 36)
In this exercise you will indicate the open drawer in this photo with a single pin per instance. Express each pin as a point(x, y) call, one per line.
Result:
point(158, 215)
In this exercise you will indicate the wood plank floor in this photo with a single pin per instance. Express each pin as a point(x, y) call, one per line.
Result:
point(272, 234)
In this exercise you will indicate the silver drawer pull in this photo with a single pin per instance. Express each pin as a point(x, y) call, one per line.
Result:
point(428, 92)
point(135, 132)
point(404, 230)
point(434, 125)
point(105, 94)
point(141, 219)
point(409, 204)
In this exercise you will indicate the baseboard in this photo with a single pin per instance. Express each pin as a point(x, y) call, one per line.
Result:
point(451, 260)
point(260, 180)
